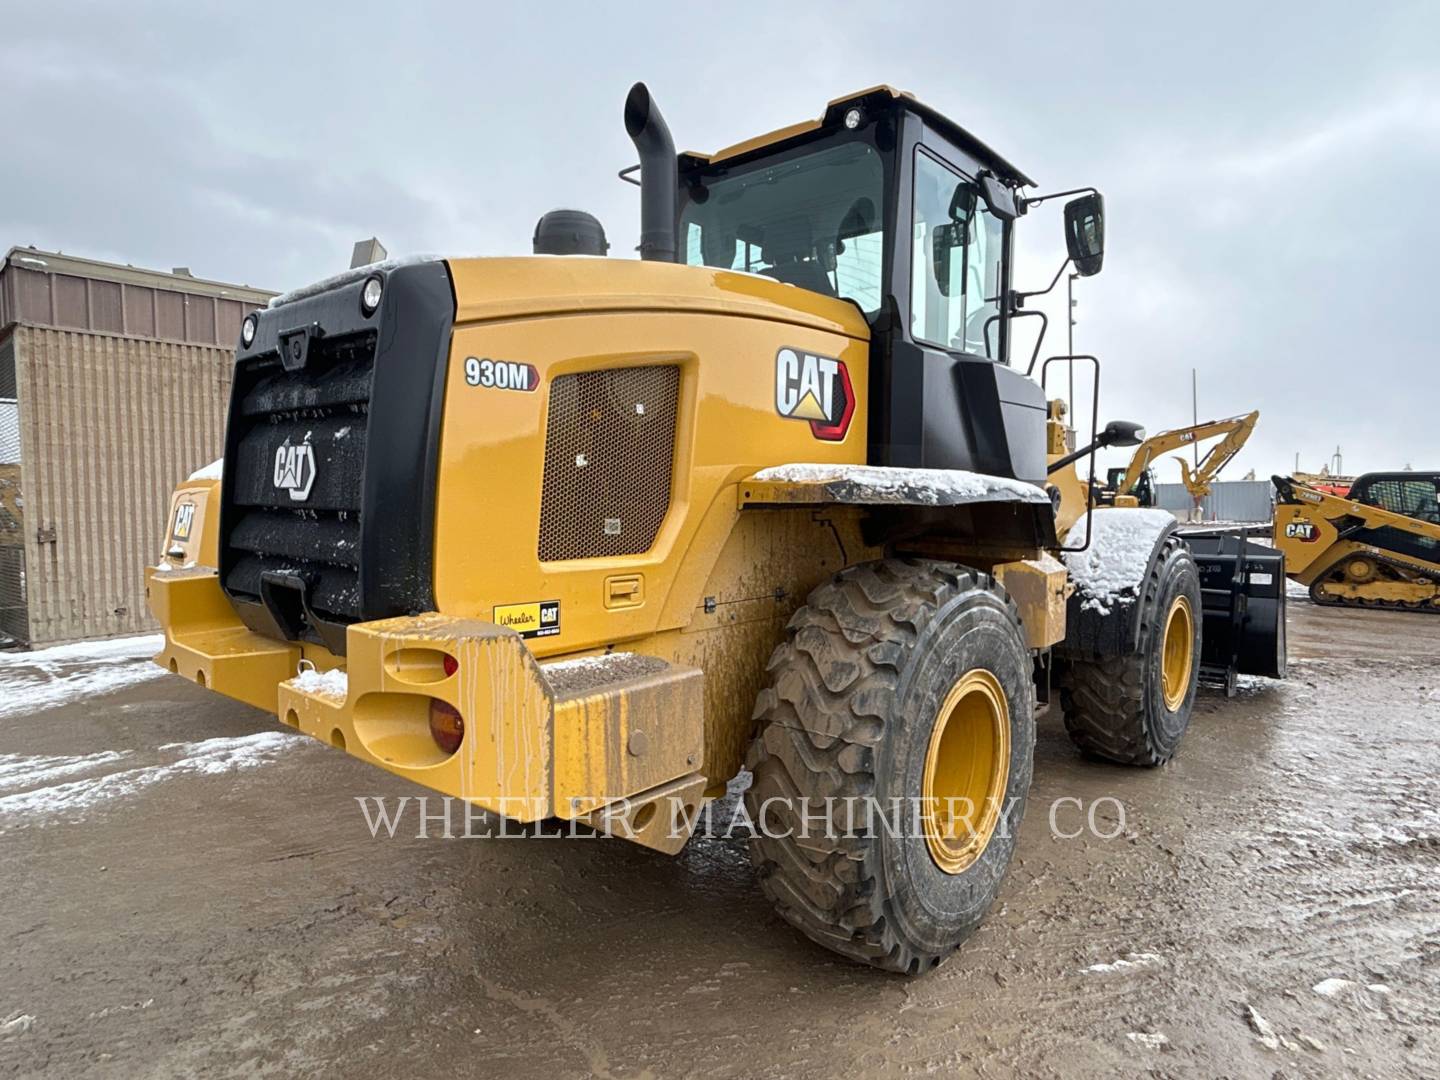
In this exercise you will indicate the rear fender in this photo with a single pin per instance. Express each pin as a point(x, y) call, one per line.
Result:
point(1103, 612)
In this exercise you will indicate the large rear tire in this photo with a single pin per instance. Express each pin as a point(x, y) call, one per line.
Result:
point(898, 680)
point(1134, 709)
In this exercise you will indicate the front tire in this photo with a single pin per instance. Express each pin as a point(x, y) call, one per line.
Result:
point(1134, 709)
point(902, 681)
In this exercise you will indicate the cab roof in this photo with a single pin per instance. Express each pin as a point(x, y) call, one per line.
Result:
point(835, 111)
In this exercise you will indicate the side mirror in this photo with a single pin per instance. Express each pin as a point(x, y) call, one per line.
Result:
point(1085, 233)
point(949, 237)
point(1122, 433)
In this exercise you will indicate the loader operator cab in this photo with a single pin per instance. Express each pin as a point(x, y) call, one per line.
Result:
point(890, 205)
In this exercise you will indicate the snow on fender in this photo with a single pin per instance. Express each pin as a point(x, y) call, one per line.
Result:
point(1109, 573)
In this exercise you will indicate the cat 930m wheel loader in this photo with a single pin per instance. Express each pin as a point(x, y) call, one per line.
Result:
point(589, 537)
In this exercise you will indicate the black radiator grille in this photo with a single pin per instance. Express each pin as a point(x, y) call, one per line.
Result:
point(314, 532)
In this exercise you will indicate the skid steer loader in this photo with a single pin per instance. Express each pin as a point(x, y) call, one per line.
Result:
point(584, 538)
point(1377, 547)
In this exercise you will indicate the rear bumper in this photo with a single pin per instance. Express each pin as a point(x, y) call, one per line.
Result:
point(535, 745)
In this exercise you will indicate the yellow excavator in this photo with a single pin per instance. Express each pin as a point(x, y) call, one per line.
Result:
point(1134, 485)
point(1378, 548)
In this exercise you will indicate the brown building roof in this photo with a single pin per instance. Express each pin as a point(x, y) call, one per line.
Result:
point(45, 288)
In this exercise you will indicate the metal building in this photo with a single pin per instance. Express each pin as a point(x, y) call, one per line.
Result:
point(114, 382)
point(1229, 500)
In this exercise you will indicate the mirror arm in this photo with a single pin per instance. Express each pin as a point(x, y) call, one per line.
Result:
point(1036, 200)
point(1019, 298)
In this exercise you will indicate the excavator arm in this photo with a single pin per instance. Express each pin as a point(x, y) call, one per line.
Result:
point(1236, 431)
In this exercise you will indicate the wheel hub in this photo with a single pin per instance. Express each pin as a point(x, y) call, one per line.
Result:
point(1177, 652)
point(967, 769)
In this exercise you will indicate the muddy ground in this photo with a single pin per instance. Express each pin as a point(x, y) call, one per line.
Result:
point(219, 908)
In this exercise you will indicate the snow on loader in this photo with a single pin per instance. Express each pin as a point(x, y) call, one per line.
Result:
point(582, 538)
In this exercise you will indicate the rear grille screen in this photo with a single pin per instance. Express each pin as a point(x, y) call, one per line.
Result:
point(609, 454)
point(326, 407)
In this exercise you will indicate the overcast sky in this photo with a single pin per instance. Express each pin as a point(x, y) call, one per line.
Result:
point(1270, 171)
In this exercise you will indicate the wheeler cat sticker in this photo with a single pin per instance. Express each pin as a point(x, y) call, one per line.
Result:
point(539, 619)
point(815, 389)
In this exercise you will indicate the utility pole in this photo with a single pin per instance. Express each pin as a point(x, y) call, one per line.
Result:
point(1070, 335)
point(1195, 410)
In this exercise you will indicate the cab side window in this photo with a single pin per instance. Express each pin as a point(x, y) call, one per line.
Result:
point(958, 248)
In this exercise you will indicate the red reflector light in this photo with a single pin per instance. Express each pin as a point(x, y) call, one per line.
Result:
point(446, 726)
point(451, 665)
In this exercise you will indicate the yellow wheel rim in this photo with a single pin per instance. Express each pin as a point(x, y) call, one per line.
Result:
point(1177, 652)
point(967, 767)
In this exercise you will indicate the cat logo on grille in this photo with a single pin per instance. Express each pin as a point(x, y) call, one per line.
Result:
point(295, 470)
point(815, 389)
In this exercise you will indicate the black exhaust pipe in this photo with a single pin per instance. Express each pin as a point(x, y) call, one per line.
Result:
point(659, 174)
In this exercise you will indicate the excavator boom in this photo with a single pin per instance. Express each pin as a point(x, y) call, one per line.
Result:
point(1236, 431)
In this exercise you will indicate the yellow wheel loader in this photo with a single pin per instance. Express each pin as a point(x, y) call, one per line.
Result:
point(580, 538)
point(1378, 547)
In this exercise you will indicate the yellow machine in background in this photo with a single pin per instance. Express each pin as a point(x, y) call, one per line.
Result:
point(1378, 548)
point(1134, 484)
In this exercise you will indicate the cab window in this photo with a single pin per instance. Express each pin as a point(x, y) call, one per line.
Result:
point(812, 220)
point(958, 247)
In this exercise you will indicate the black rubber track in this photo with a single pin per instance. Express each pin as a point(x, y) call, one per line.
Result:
point(832, 725)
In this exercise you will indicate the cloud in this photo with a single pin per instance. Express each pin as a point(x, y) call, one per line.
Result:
point(1266, 191)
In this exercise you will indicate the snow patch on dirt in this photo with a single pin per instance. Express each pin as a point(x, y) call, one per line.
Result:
point(105, 650)
point(1113, 566)
point(26, 770)
point(1153, 1040)
point(207, 757)
point(31, 682)
point(1130, 962)
point(933, 487)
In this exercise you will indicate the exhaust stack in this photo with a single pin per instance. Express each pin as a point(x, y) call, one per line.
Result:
point(659, 174)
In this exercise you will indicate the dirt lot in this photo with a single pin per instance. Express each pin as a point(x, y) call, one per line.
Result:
point(189, 890)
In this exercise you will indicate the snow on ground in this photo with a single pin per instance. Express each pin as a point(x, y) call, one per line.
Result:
point(1131, 961)
point(84, 652)
point(933, 487)
point(208, 757)
point(31, 682)
point(19, 771)
point(1121, 541)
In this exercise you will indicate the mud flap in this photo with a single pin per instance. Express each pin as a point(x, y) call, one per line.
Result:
point(1243, 592)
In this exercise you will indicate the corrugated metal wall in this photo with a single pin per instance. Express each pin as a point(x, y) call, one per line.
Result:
point(1229, 500)
point(108, 425)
